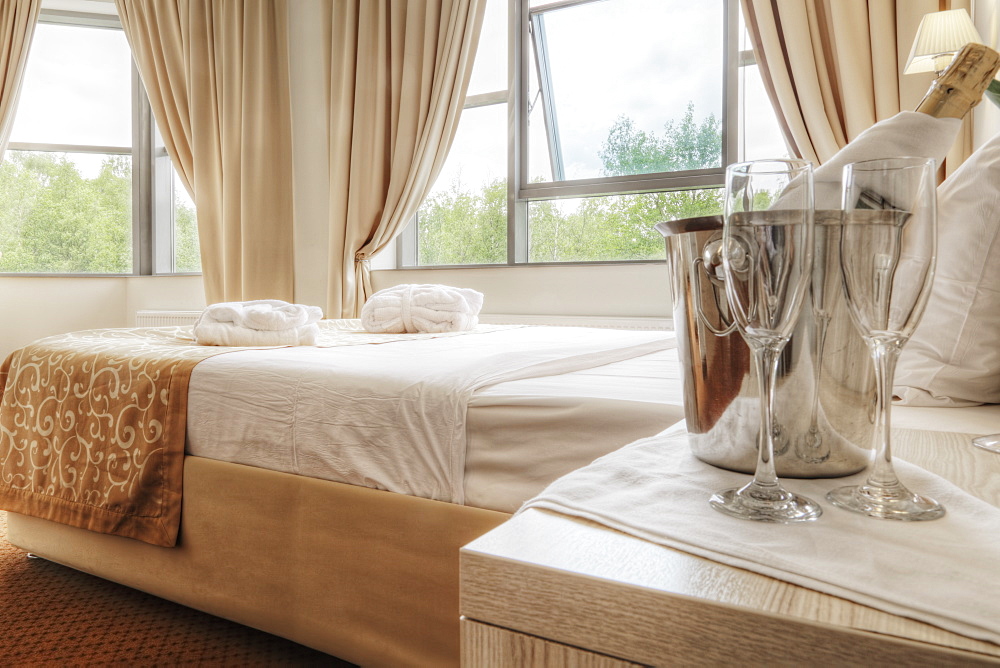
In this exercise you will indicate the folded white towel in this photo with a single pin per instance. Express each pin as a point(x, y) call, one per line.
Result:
point(264, 322)
point(907, 134)
point(422, 308)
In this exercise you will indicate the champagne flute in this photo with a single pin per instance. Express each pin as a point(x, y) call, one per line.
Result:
point(888, 247)
point(767, 239)
point(824, 290)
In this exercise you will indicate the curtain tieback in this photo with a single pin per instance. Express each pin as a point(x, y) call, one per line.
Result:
point(362, 257)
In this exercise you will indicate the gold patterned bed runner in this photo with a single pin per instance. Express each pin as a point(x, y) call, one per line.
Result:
point(92, 429)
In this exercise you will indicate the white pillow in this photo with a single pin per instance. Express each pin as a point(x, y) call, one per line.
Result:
point(953, 358)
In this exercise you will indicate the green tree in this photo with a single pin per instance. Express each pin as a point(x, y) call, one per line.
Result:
point(53, 220)
point(461, 227)
point(56, 221)
point(457, 226)
point(682, 146)
point(187, 254)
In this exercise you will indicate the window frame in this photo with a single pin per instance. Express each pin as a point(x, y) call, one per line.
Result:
point(520, 192)
point(152, 171)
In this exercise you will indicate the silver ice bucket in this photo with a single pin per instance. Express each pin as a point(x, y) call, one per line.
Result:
point(825, 397)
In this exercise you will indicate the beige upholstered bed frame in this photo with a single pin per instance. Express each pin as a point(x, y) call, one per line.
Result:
point(368, 576)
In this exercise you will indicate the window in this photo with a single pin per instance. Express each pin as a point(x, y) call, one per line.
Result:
point(621, 114)
point(85, 188)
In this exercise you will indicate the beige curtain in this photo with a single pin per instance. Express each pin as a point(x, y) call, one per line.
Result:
point(217, 77)
point(17, 26)
point(833, 68)
point(399, 73)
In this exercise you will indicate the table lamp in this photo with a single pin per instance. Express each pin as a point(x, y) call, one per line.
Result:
point(939, 37)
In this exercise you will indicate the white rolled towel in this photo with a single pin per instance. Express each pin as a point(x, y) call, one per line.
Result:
point(262, 322)
point(421, 308)
point(907, 134)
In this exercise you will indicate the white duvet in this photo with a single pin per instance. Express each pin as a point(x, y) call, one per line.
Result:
point(388, 416)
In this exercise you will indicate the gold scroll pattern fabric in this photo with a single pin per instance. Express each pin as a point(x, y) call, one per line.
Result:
point(92, 429)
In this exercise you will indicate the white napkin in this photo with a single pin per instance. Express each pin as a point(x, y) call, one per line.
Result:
point(907, 134)
point(943, 572)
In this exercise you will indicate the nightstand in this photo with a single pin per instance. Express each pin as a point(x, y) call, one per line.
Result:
point(548, 590)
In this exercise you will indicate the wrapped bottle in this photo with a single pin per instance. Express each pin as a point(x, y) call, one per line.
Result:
point(825, 397)
point(961, 86)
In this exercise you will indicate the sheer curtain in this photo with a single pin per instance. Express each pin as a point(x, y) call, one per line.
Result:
point(833, 68)
point(399, 73)
point(217, 78)
point(17, 26)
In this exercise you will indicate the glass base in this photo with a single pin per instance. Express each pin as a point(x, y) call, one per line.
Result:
point(989, 443)
point(765, 505)
point(893, 503)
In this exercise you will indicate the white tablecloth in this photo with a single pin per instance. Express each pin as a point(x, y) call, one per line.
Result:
point(944, 572)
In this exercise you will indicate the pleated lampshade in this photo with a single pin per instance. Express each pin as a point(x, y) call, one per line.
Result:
point(939, 37)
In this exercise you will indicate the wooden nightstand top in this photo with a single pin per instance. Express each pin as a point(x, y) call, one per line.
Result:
point(583, 585)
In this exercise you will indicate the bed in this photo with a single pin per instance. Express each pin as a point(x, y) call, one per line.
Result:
point(360, 564)
point(365, 574)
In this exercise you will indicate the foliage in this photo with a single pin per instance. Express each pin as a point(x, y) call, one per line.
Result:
point(187, 254)
point(458, 226)
point(53, 220)
point(461, 227)
point(682, 146)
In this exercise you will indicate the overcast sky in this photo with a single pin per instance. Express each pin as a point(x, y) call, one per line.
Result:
point(644, 59)
point(76, 90)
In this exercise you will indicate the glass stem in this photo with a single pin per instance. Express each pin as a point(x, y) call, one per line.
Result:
point(822, 323)
point(765, 357)
point(884, 355)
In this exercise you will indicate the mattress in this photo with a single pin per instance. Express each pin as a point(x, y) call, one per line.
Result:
point(520, 434)
point(524, 434)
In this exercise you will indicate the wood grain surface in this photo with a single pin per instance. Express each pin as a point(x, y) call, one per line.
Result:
point(580, 584)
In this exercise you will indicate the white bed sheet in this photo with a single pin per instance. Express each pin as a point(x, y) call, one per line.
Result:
point(279, 409)
point(524, 434)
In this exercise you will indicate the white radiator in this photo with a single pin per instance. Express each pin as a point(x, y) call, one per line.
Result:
point(603, 322)
point(165, 318)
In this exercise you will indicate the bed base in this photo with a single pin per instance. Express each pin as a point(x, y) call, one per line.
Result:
point(368, 576)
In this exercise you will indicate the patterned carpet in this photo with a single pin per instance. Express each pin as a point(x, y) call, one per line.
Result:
point(51, 615)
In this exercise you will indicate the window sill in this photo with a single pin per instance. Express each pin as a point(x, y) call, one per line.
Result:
point(521, 265)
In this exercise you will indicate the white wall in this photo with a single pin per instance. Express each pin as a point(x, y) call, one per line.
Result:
point(35, 307)
point(310, 81)
point(162, 293)
point(608, 290)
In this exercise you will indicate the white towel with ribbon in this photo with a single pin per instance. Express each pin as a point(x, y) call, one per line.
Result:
point(942, 572)
point(263, 322)
point(422, 308)
point(907, 134)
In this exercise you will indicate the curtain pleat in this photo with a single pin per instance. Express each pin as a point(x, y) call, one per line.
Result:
point(833, 68)
point(400, 70)
point(17, 26)
point(217, 78)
